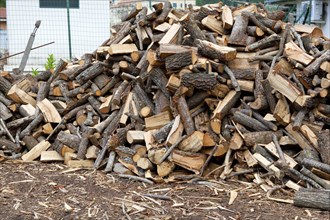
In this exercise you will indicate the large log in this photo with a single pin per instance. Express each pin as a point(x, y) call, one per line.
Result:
point(312, 198)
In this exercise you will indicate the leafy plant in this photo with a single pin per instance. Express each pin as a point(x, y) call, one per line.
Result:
point(50, 64)
point(35, 72)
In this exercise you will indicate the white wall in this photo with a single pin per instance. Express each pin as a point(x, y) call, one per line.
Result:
point(89, 28)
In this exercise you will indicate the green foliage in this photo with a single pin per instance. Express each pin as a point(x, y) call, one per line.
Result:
point(2, 3)
point(204, 2)
point(35, 72)
point(50, 64)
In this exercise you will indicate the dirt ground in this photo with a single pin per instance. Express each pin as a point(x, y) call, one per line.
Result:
point(52, 191)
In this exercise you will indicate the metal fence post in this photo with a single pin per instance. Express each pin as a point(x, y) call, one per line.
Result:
point(69, 26)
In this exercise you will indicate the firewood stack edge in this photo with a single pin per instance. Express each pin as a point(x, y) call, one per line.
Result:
point(212, 91)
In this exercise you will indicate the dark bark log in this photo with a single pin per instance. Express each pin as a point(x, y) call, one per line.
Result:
point(214, 51)
point(200, 81)
point(238, 34)
point(265, 42)
point(162, 103)
point(259, 94)
point(102, 80)
point(5, 85)
point(7, 145)
point(110, 85)
point(323, 140)
point(79, 90)
point(177, 61)
point(84, 143)
point(96, 105)
point(324, 108)
point(166, 10)
point(203, 12)
point(314, 67)
point(5, 112)
point(298, 119)
point(20, 122)
point(269, 96)
point(30, 142)
point(192, 28)
point(313, 198)
point(43, 76)
point(69, 140)
point(310, 163)
point(143, 97)
point(197, 99)
point(261, 137)
point(186, 118)
point(257, 22)
point(73, 105)
point(159, 78)
point(116, 98)
point(35, 122)
point(90, 73)
point(247, 121)
point(4, 100)
point(141, 17)
point(163, 132)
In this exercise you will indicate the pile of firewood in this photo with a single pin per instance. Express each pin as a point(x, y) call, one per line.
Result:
point(211, 91)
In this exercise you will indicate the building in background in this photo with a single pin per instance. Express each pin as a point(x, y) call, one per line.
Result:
point(3, 32)
point(89, 27)
point(315, 12)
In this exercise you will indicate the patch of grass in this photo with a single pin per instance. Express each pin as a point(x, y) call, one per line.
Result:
point(35, 72)
point(50, 64)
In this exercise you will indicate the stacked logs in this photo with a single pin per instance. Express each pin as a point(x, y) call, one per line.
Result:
point(228, 92)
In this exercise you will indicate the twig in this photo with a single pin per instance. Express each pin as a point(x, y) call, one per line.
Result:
point(124, 211)
point(240, 173)
point(6, 130)
point(169, 151)
point(208, 160)
point(137, 178)
point(279, 150)
point(157, 196)
point(275, 188)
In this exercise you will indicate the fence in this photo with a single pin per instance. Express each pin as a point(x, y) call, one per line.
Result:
point(76, 26)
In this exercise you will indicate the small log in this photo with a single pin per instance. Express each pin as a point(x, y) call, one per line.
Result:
point(167, 7)
point(187, 121)
point(135, 10)
point(248, 121)
point(5, 112)
point(215, 51)
point(5, 85)
point(200, 81)
point(323, 140)
point(238, 34)
point(260, 137)
point(192, 28)
point(267, 41)
point(69, 140)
